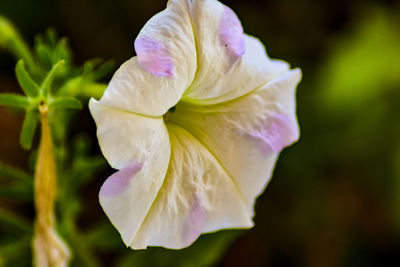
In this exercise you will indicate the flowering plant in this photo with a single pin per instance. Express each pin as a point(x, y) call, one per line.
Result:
point(194, 124)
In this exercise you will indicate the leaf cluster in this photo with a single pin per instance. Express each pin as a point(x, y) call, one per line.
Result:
point(50, 83)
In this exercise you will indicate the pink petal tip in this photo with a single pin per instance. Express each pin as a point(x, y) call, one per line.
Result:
point(119, 181)
point(277, 133)
point(195, 222)
point(231, 32)
point(153, 57)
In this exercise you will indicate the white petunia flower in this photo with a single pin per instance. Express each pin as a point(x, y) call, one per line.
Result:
point(194, 124)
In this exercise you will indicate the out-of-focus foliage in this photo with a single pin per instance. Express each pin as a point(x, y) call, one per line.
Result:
point(335, 196)
point(364, 65)
point(50, 68)
point(204, 252)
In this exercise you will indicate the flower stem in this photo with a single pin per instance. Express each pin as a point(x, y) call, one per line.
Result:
point(48, 248)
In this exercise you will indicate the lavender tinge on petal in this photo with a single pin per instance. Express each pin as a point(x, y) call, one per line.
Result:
point(119, 181)
point(153, 57)
point(276, 133)
point(231, 32)
point(195, 221)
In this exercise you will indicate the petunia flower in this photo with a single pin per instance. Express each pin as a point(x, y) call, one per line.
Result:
point(194, 124)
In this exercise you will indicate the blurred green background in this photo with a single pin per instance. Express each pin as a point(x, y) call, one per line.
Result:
point(334, 199)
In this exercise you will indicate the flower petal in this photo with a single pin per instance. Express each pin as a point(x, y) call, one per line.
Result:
point(231, 32)
point(119, 181)
point(230, 63)
point(153, 56)
point(247, 134)
point(140, 148)
point(165, 65)
point(197, 196)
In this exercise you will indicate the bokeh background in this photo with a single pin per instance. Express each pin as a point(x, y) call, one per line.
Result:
point(334, 199)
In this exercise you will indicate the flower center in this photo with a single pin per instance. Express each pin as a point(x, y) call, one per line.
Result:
point(168, 114)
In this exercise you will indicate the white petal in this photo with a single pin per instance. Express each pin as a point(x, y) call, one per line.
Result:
point(197, 196)
point(247, 134)
point(230, 63)
point(165, 65)
point(140, 147)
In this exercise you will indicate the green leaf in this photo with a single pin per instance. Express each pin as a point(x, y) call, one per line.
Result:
point(206, 251)
point(15, 173)
point(10, 252)
point(102, 236)
point(62, 51)
point(82, 87)
point(103, 70)
point(13, 100)
point(43, 54)
point(45, 87)
point(11, 40)
point(13, 220)
point(28, 128)
point(95, 90)
point(30, 88)
point(17, 192)
point(65, 102)
point(51, 36)
point(90, 65)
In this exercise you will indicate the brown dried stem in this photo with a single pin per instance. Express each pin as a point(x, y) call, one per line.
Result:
point(48, 248)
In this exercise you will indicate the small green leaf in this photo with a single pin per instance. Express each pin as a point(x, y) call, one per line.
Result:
point(66, 102)
point(95, 90)
point(45, 87)
point(62, 51)
point(15, 221)
point(103, 70)
point(11, 251)
point(30, 88)
point(17, 192)
point(28, 128)
point(51, 36)
point(15, 173)
point(102, 236)
point(90, 65)
point(11, 40)
point(13, 100)
point(43, 54)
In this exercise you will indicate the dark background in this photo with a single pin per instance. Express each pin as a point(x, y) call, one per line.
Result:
point(334, 198)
